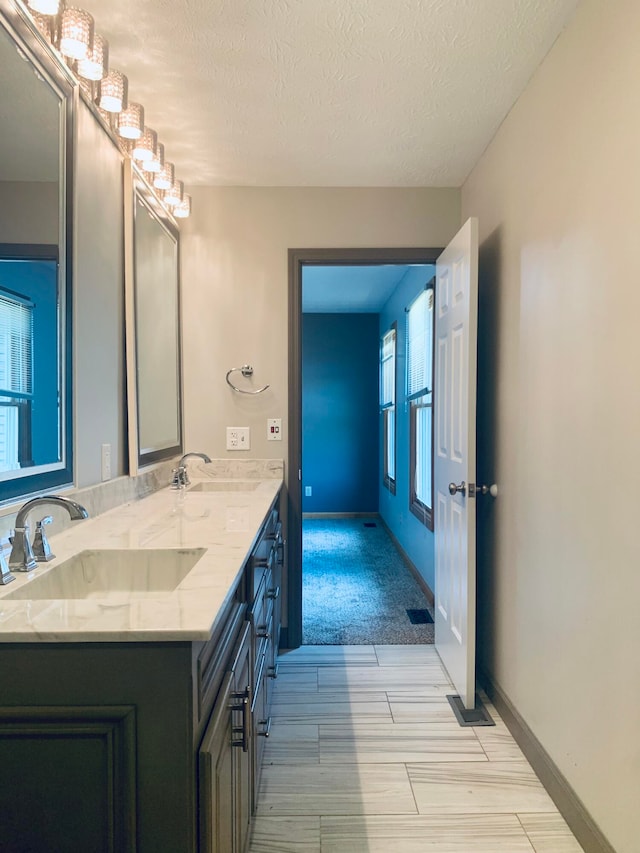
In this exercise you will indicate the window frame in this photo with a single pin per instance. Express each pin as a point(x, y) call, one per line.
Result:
point(20, 399)
point(415, 401)
point(60, 473)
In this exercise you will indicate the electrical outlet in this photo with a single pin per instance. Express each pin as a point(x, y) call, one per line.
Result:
point(238, 438)
point(106, 462)
point(274, 429)
point(308, 491)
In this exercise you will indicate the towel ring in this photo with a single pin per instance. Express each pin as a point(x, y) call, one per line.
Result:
point(246, 371)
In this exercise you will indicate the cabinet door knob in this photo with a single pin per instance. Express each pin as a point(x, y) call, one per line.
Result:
point(267, 730)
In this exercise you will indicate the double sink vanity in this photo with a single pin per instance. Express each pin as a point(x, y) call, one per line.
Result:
point(136, 670)
point(136, 665)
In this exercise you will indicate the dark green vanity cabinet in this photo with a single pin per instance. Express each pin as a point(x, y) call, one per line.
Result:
point(144, 746)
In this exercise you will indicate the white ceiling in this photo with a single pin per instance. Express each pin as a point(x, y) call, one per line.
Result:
point(351, 289)
point(327, 92)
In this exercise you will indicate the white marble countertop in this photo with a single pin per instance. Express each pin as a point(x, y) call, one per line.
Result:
point(223, 523)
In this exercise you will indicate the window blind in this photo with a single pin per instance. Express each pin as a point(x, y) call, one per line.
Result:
point(420, 345)
point(16, 347)
point(387, 369)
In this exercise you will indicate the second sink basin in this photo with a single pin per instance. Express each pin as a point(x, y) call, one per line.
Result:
point(229, 486)
point(101, 573)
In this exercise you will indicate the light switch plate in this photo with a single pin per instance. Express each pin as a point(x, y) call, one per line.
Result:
point(105, 460)
point(274, 429)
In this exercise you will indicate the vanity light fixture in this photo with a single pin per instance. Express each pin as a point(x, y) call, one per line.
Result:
point(95, 66)
point(76, 33)
point(145, 147)
point(165, 177)
point(45, 7)
point(71, 30)
point(174, 195)
point(156, 163)
point(130, 121)
point(182, 210)
point(113, 92)
point(44, 23)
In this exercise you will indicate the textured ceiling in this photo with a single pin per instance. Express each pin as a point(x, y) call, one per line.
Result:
point(328, 92)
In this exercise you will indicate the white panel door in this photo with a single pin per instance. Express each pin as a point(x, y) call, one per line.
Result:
point(455, 458)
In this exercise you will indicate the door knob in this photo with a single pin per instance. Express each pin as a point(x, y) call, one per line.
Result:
point(462, 488)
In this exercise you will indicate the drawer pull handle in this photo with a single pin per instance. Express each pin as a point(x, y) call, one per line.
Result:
point(273, 593)
point(244, 699)
point(262, 631)
point(267, 724)
point(273, 671)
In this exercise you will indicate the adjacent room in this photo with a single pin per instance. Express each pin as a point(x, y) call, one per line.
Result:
point(358, 449)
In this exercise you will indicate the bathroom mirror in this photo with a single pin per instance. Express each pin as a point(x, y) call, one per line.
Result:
point(36, 109)
point(153, 327)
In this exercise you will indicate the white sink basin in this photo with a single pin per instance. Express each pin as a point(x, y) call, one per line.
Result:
point(229, 486)
point(112, 573)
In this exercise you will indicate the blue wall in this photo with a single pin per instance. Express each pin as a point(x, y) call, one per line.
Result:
point(414, 537)
point(340, 421)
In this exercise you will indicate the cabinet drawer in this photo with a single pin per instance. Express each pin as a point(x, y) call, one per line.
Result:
point(265, 552)
point(213, 658)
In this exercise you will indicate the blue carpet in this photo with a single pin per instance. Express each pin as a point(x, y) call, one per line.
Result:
point(356, 588)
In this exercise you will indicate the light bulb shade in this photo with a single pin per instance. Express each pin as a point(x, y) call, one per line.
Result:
point(156, 163)
point(165, 177)
point(130, 121)
point(113, 92)
point(44, 23)
point(174, 196)
point(146, 145)
point(76, 33)
point(182, 210)
point(95, 66)
point(45, 7)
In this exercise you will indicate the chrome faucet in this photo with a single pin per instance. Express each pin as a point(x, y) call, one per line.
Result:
point(22, 558)
point(180, 477)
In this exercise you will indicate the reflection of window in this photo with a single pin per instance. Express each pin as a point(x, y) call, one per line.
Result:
point(388, 406)
point(420, 399)
point(16, 381)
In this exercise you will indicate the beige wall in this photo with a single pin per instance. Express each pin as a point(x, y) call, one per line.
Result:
point(557, 195)
point(100, 408)
point(29, 212)
point(235, 286)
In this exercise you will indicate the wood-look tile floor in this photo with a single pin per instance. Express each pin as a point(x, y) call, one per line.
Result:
point(365, 756)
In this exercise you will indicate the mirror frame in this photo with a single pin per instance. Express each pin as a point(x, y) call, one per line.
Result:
point(32, 43)
point(135, 187)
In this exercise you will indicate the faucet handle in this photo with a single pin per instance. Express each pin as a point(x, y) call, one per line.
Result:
point(180, 477)
point(21, 558)
point(5, 575)
point(41, 547)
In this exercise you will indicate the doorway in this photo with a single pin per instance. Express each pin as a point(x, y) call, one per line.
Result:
point(299, 261)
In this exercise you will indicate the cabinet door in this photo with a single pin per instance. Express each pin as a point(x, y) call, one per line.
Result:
point(242, 725)
point(215, 771)
point(224, 760)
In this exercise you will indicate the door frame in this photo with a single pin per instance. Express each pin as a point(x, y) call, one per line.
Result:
point(291, 636)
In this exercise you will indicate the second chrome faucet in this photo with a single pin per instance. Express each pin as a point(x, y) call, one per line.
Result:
point(180, 477)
